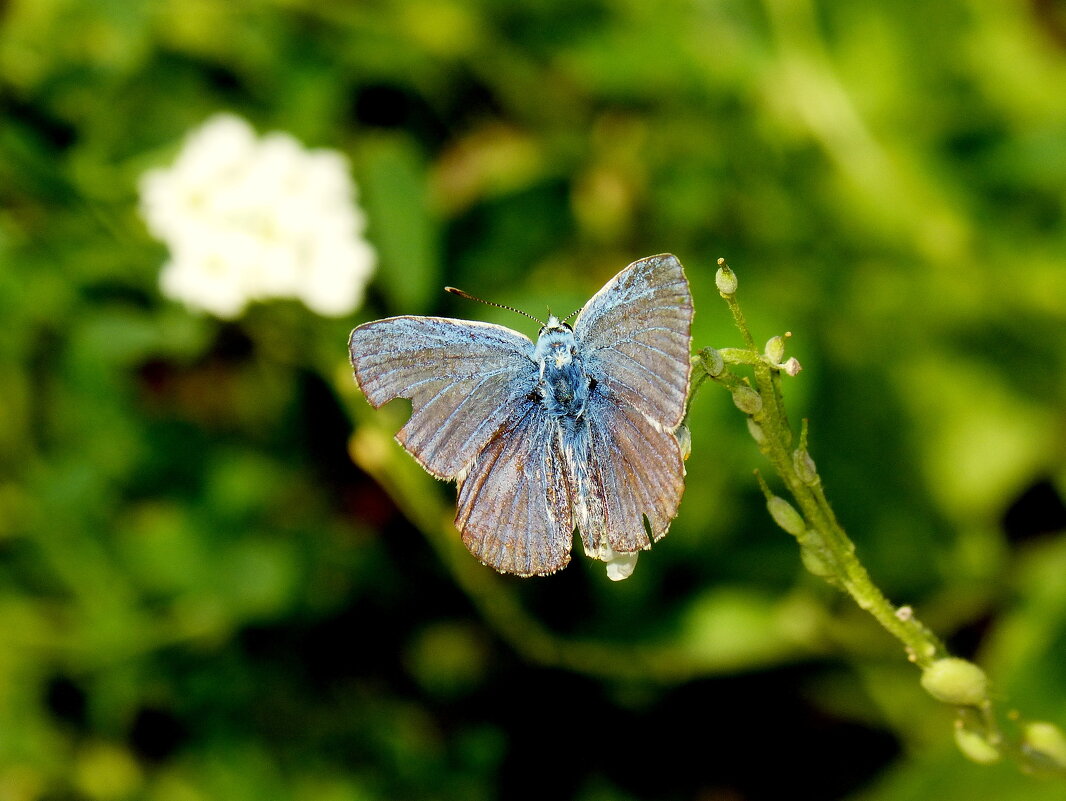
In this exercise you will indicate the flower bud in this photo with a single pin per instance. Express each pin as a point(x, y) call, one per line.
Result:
point(621, 566)
point(756, 431)
point(712, 361)
point(775, 349)
point(955, 681)
point(725, 279)
point(684, 439)
point(1047, 738)
point(786, 516)
point(792, 367)
point(805, 467)
point(747, 400)
point(975, 746)
point(815, 562)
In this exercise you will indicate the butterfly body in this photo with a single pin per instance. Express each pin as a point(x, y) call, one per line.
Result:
point(574, 432)
point(564, 384)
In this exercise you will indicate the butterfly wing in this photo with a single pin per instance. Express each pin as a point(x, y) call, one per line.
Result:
point(515, 509)
point(635, 471)
point(464, 380)
point(635, 337)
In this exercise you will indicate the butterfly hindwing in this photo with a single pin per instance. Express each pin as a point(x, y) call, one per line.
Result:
point(463, 378)
point(515, 510)
point(635, 335)
point(635, 471)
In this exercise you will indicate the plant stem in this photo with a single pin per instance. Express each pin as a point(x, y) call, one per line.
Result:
point(826, 547)
point(824, 533)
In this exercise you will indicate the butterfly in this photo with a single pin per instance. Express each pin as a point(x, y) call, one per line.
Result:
point(574, 432)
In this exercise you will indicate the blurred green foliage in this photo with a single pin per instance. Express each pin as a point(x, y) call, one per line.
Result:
point(202, 597)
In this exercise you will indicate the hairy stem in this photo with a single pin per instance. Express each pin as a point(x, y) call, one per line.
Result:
point(829, 552)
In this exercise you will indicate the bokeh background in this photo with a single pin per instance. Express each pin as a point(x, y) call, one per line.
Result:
point(220, 580)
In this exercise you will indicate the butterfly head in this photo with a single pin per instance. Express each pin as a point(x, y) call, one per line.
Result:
point(556, 345)
point(555, 325)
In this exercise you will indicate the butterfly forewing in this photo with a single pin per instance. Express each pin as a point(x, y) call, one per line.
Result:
point(635, 334)
point(464, 380)
point(515, 510)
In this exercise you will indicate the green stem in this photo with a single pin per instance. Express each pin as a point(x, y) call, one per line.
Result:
point(738, 316)
point(824, 533)
point(828, 550)
point(922, 646)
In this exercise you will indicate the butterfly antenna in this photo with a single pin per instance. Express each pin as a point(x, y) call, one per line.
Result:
point(468, 296)
point(574, 313)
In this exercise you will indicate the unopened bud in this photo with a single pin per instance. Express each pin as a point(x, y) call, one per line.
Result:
point(792, 367)
point(955, 681)
point(725, 279)
point(684, 439)
point(747, 400)
point(775, 349)
point(975, 746)
point(786, 516)
point(1047, 738)
point(622, 566)
point(756, 431)
point(815, 562)
point(712, 361)
point(805, 467)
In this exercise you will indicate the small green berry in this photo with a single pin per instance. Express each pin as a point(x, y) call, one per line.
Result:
point(975, 746)
point(725, 279)
point(815, 562)
point(1047, 738)
point(747, 400)
point(712, 361)
point(955, 681)
point(805, 467)
point(775, 349)
point(756, 431)
point(786, 516)
point(684, 439)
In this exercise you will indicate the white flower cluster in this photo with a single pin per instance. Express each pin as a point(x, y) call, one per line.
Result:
point(248, 218)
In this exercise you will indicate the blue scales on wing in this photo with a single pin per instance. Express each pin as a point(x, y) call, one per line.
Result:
point(464, 379)
point(635, 336)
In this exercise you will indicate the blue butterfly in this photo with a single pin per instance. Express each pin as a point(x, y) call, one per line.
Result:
point(574, 432)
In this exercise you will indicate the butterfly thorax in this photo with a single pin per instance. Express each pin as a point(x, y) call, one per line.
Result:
point(564, 385)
